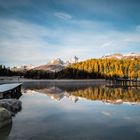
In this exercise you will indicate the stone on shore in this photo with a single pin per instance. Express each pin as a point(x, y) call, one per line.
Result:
point(5, 117)
point(12, 105)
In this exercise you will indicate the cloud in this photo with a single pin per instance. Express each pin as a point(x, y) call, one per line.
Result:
point(63, 16)
point(127, 118)
point(107, 113)
point(22, 39)
point(106, 44)
point(138, 28)
point(27, 42)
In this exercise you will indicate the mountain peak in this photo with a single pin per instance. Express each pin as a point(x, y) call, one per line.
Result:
point(56, 61)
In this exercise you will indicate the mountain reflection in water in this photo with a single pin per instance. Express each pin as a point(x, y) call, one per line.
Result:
point(101, 93)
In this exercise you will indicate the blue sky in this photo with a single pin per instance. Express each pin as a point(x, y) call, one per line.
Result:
point(35, 31)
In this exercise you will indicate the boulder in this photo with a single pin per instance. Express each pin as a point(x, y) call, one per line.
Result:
point(5, 117)
point(12, 105)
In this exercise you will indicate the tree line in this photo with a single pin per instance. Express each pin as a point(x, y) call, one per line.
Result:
point(4, 71)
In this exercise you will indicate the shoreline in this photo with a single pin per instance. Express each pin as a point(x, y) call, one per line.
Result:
point(57, 81)
point(62, 80)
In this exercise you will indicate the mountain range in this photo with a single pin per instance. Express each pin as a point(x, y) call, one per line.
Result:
point(57, 64)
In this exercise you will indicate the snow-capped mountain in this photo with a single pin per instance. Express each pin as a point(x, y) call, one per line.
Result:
point(131, 55)
point(121, 56)
point(22, 68)
point(57, 94)
point(56, 61)
point(56, 65)
point(115, 56)
point(74, 60)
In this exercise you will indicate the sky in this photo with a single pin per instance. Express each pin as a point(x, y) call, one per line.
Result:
point(36, 31)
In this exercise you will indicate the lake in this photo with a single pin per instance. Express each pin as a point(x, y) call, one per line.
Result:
point(75, 111)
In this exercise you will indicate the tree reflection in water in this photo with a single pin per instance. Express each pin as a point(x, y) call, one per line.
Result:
point(109, 94)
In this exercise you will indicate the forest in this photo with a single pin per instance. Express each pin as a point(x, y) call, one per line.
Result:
point(102, 68)
point(89, 69)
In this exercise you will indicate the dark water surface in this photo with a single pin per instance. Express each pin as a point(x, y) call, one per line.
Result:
point(75, 111)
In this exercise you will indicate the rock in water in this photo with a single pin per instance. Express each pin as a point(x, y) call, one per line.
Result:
point(12, 105)
point(5, 117)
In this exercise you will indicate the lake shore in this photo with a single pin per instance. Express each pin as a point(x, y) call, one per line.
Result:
point(57, 81)
point(63, 80)
point(12, 79)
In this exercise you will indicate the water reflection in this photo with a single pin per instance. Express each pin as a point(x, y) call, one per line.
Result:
point(110, 95)
point(102, 93)
point(76, 112)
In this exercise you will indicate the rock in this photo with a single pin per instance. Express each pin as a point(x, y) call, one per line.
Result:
point(5, 131)
point(5, 117)
point(12, 105)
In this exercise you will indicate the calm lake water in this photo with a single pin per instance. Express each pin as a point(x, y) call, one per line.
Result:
point(75, 111)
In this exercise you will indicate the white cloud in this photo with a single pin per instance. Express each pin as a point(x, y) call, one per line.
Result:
point(138, 28)
point(63, 16)
point(106, 113)
point(106, 44)
point(23, 42)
